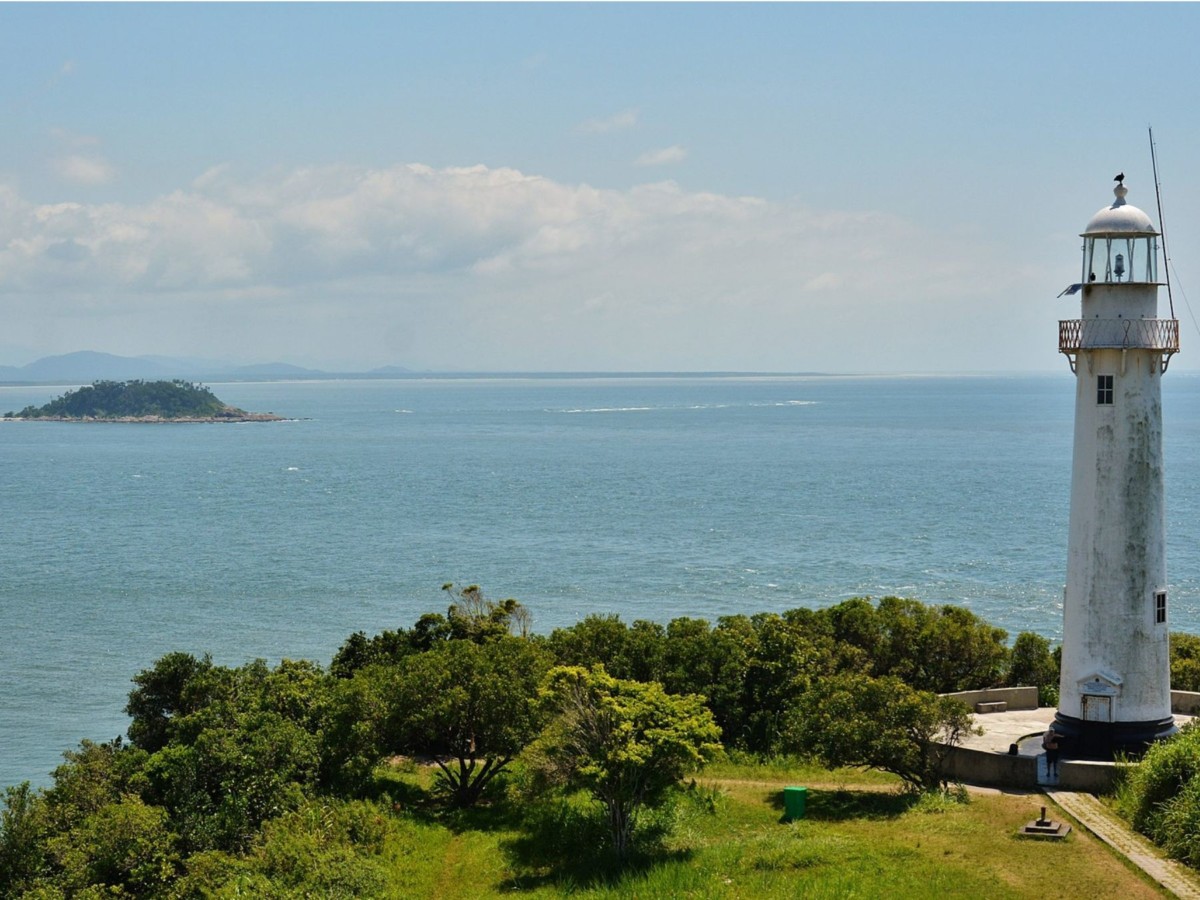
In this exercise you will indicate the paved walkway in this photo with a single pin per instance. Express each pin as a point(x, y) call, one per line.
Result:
point(1002, 729)
point(1093, 815)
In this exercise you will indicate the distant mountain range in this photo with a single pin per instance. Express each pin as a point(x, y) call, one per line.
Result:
point(87, 366)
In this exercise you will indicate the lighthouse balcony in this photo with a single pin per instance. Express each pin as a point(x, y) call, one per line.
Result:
point(1120, 334)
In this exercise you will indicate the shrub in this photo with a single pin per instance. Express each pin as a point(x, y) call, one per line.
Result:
point(1161, 795)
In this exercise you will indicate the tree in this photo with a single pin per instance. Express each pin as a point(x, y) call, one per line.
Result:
point(470, 706)
point(241, 748)
point(166, 690)
point(880, 723)
point(22, 853)
point(1032, 663)
point(354, 734)
point(1185, 662)
point(125, 847)
point(787, 657)
point(940, 649)
point(625, 742)
point(473, 617)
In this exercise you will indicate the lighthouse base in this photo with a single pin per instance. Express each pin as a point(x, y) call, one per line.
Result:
point(1103, 740)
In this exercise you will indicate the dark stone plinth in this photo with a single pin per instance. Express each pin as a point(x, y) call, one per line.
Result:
point(1043, 829)
point(1051, 831)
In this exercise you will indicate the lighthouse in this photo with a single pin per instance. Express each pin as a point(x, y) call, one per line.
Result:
point(1115, 683)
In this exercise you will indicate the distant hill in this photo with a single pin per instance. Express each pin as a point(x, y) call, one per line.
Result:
point(276, 370)
point(86, 366)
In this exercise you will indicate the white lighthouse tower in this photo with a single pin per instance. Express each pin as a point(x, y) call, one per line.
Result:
point(1115, 686)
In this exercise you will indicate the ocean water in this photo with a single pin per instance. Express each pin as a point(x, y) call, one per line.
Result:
point(648, 497)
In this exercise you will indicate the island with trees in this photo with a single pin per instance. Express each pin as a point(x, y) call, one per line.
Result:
point(140, 401)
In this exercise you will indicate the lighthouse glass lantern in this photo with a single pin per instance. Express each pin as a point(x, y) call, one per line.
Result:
point(1114, 688)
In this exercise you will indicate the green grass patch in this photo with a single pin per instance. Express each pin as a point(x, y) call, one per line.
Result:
point(724, 836)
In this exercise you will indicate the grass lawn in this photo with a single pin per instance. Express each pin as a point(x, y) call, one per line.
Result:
point(860, 838)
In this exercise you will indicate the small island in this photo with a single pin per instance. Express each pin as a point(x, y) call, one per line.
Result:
point(140, 401)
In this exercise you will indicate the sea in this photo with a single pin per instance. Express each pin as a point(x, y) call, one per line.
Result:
point(649, 497)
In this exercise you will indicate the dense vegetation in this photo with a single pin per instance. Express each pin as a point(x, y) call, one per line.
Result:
point(1160, 796)
point(272, 781)
point(133, 399)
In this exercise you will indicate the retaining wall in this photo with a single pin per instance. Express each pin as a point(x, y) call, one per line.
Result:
point(1015, 697)
point(1185, 703)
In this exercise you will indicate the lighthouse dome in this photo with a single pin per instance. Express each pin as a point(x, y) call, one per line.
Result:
point(1120, 218)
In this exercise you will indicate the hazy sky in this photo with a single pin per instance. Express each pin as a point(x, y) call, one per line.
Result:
point(810, 187)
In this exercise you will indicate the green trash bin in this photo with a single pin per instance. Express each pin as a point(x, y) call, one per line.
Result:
point(794, 799)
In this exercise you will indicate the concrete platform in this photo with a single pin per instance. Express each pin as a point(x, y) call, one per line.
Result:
point(1001, 730)
point(985, 759)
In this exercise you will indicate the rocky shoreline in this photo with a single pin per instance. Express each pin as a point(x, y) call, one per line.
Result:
point(234, 415)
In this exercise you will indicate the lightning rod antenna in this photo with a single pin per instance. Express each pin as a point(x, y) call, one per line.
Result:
point(1161, 224)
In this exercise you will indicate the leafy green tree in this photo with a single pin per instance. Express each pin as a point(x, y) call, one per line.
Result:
point(169, 688)
point(90, 778)
point(1185, 662)
point(857, 623)
point(22, 854)
point(356, 731)
point(470, 706)
point(360, 651)
point(879, 723)
point(712, 662)
point(322, 849)
point(473, 617)
point(788, 656)
point(241, 747)
point(625, 742)
point(1032, 663)
point(54, 841)
point(625, 651)
point(940, 649)
point(125, 847)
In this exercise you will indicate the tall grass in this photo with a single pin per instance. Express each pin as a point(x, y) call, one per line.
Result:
point(1160, 796)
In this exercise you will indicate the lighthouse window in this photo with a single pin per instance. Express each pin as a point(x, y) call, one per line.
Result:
point(1160, 607)
point(1104, 390)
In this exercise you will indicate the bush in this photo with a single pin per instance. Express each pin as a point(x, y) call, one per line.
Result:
point(1161, 795)
point(1032, 663)
point(1185, 662)
point(880, 723)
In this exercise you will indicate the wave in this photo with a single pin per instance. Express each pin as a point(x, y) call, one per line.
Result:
point(614, 409)
point(689, 408)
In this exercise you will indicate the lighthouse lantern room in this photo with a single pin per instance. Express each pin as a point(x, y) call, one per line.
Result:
point(1114, 689)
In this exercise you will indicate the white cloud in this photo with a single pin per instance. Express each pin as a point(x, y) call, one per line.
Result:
point(416, 265)
point(72, 139)
point(826, 281)
point(621, 121)
point(89, 170)
point(661, 157)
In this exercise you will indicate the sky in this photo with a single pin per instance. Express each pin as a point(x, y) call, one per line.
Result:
point(846, 187)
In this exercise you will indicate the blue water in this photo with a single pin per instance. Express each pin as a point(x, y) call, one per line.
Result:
point(648, 497)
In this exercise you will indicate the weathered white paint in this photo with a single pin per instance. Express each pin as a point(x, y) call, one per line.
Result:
point(1116, 554)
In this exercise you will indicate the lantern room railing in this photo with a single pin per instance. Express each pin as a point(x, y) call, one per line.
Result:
point(1120, 334)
